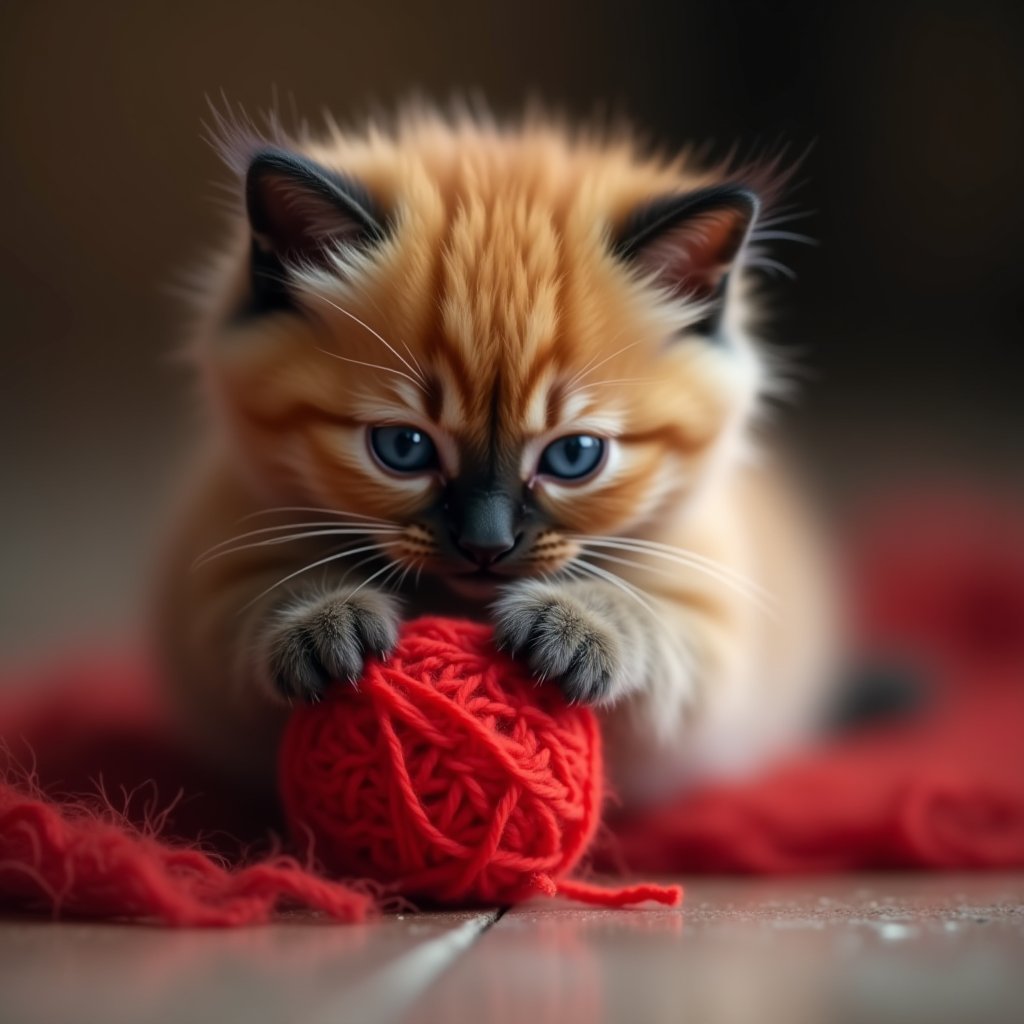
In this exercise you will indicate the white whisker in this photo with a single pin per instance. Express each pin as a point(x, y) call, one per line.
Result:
point(224, 548)
point(315, 509)
point(786, 218)
point(572, 572)
point(767, 263)
point(683, 554)
point(398, 355)
point(366, 526)
point(402, 341)
point(716, 570)
point(373, 366)
point(783, 236)
point(416, 362)
point(588, 369)
point(761, 604)
point(603, 383)
point(362, 561)
point(395, 566)
point(617, 581)
point(370, 579)
point(409, 567)
point(314, 565)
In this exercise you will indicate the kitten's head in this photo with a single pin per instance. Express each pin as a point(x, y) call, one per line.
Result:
point(499, 341)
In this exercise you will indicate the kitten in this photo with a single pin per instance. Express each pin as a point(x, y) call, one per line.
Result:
point(504, 373)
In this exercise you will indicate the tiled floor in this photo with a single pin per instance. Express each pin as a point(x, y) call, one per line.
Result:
point(906, 948)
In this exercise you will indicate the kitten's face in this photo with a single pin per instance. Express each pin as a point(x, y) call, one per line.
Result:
point(501, 345)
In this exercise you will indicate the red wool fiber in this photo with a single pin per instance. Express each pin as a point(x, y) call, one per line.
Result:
point(105, 815)
point(72, 861)
point(450, 776)
point(487, 788)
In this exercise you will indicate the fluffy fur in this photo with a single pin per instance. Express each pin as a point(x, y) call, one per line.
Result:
point(480, 284)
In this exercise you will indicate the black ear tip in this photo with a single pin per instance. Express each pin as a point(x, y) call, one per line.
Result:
point(267, 160)
point(274, 178)
point(263, 164)
point(268, 163)
point(668, 212)
point(741, 197)
point(753, 201)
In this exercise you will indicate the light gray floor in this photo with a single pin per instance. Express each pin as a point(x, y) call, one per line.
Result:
point(873, 948)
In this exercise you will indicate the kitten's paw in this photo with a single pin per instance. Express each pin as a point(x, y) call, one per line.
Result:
point(317, 639)
point(562, 639)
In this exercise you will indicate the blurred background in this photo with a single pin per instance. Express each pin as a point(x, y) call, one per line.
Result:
point(906, 319)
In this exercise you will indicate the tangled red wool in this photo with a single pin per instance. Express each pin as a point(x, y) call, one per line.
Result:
point(451, 776)
point(71, 861)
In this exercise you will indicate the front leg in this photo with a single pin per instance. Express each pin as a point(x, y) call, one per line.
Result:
point(592, 638)
point(317, 637)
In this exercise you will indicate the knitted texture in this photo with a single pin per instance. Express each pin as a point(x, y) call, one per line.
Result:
point(943, 789)
point(450, 775)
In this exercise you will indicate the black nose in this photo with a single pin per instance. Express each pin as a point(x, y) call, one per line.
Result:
point(485, 554)
point(487, 529)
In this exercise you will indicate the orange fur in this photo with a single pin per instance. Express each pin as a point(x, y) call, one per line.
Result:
point(496, 316)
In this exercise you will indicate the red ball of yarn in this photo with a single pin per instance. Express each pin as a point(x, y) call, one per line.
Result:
point(447, 773)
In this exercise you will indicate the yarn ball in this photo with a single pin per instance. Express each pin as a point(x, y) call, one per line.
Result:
point(447, 773)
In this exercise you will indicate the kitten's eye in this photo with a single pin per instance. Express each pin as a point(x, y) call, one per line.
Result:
point(573, 457)
point(403, 449)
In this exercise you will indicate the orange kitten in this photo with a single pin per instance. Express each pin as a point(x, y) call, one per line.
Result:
point(502, 373)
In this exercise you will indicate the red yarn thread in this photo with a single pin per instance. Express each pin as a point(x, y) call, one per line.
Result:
point(450, 775)
point(69, 860)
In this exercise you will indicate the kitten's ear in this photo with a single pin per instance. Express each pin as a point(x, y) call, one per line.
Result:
point(300, 212)
point(690, 242)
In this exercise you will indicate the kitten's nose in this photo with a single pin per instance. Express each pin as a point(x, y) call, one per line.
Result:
point(485, 554)
point(488, 528)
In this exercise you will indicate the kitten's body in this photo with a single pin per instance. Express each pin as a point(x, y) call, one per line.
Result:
point(501, 295)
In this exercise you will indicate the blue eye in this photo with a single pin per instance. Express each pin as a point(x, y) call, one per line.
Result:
point(403, 449)
point(573, 457)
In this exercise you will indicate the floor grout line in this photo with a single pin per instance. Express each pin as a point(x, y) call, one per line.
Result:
point(387, 992)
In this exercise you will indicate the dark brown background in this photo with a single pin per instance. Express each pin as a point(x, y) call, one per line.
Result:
point(907, 316)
